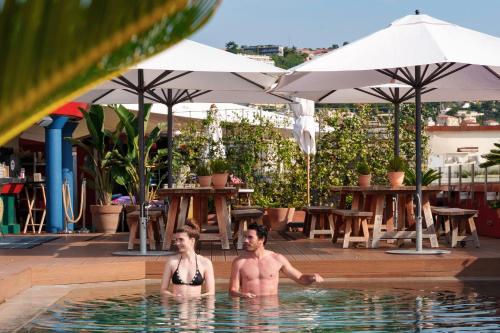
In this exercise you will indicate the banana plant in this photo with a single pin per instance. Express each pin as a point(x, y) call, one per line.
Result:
point(124, 159)
point(97, 146)
point(428, 177)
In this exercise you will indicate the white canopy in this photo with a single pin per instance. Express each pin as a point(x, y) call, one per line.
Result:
point(451, 57)
point(193, 72)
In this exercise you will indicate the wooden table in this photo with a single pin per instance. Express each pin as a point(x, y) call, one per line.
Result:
point(180, 199)
point(380, 195)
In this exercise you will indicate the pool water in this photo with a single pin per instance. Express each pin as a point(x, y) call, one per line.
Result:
point(347, 309)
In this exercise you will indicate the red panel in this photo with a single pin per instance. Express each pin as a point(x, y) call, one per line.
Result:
point(12, 188)
point(71, 109)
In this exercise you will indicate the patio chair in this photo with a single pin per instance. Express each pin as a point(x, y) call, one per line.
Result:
point(156, 220)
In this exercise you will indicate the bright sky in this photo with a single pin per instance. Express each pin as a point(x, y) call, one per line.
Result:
point(321, 23)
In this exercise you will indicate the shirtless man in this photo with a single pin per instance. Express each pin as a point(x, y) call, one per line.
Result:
point(256, 273)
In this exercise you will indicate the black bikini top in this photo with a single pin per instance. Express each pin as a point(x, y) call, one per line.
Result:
point(197, 279)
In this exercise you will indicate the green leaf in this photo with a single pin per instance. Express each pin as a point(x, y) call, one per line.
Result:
point(53, 51)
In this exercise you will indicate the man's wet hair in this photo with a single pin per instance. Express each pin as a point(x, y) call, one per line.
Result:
point(260, 229)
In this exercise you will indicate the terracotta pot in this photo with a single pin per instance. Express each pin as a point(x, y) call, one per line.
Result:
point(219, 179)
point(106, 218)
point(364, 180)
point(205, 181)
point(277, 218)
point(396, 178)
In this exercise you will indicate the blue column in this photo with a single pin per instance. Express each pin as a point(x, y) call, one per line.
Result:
point(53, 173)
point(67, 165)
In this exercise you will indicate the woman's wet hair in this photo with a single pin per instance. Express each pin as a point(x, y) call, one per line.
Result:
point(190, 229)
point(260, 229)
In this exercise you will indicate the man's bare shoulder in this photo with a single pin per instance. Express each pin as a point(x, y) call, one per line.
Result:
point(240, 260)
point(279, 257)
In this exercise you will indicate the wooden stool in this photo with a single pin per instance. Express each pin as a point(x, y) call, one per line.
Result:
point(320, 214)
point(241, 218)
point(354, 219)
point(457, 217)
point(154, 216)
point(33, 208)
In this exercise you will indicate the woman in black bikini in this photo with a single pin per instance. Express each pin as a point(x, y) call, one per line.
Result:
point(188, 271)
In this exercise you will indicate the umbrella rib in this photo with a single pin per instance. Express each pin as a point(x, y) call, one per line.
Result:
point(326, 95)
point(155, 95)
point(425, 70)
point(152, 96)
point(393, 94)
point(282, 97)
point(179, 95)
point(383, 94)
point(495, 74)
point(172, 78)
point(406, 72)
point(125, 82)
point(449, 73)
point(198, 93)
point(248, 80)
point(435, 73)
point(394, 76)
point(103, 95)
point(368, 93)
point(407, 95)
point(158, 78)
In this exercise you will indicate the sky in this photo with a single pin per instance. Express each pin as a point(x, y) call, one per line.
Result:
point(321, 23)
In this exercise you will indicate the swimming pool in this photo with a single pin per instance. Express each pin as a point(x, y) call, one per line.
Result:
point(406, 308)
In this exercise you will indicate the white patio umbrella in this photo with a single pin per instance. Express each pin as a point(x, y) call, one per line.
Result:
point(304, 131)
point(417, 50)
point(184, 72)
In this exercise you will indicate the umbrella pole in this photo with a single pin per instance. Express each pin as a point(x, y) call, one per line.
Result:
point(170, 138)
point(308, 179)
point(418, 157)
point(396, 125)
point(142, 175)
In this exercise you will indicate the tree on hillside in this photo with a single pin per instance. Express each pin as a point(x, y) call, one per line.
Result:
point(232, 47)
point(335, 46)
point(345, 43)
point(291, 58)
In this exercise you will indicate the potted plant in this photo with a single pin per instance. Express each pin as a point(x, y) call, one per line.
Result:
point(364, 176)
point(99, 167)
point(204, 174)
point(395, 171)
point(220, 172)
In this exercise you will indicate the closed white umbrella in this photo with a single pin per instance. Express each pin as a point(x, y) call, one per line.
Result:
point(417, 50)
point(179, 74)
point(304, 131)
point(215, 133)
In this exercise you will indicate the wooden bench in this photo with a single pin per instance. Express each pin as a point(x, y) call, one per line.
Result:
point(156, 219)
point(355, 221)
point(240, 218)
point(320, 214)
point(454, 219)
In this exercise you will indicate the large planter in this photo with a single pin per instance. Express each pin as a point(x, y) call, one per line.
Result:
point(219, 180)
point(364, 180)
point(205, 181)
point(277, 218)
point(105, 218)
point(396, 178)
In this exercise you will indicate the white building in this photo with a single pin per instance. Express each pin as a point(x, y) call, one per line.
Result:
point(460, 144)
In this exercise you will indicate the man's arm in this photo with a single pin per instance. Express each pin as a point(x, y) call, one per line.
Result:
point(294, 274)
point(235, 281)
